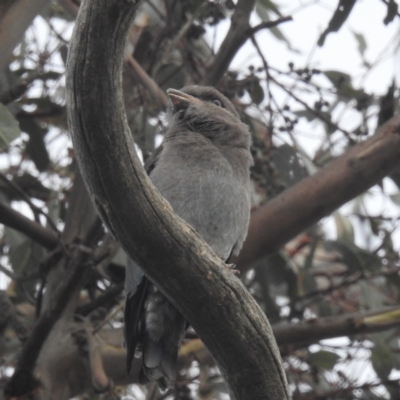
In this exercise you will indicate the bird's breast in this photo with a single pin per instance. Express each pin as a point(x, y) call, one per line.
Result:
point(204, 190)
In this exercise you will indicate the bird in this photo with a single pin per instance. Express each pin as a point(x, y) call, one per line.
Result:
point(203, 171)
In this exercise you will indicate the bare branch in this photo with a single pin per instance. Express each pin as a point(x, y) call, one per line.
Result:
point(268, 25)
point(148, 81)
point(36, 232)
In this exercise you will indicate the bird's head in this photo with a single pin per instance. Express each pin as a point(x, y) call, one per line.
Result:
point(204, 110)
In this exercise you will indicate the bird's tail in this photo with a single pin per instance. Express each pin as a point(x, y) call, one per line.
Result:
point(164, 330)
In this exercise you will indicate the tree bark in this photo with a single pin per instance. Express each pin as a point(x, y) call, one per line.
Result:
point(172, 255)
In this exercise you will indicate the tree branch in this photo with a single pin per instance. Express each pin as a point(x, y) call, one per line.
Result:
point(148, 81)
point(36, 232)
point(312, 331)
point(319, 195)
point(268, 25)
point(300, 334)
point(237, 331)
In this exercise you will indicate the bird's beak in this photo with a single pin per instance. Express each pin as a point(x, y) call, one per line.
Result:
point(180, 100)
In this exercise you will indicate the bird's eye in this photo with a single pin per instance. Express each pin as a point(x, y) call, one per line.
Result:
point(216, 102)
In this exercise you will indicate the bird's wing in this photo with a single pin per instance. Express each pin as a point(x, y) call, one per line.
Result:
point(136, 286)
point(152, 161)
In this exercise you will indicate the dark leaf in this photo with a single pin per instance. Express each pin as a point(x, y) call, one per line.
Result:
point(355, 258)
point(287, 165)
point(387, 105)
point(309, 115)
point(339, 17)
point(36, 148)
point(381, 359)
point(345, 89)
point(64, 53)
point(256, 92)
point(338, 78)
point(51, 75)
point(323, 359)
point(269, 7)
point(344, 227)
point(392, 8)
point(9, 128)
point(362, 44)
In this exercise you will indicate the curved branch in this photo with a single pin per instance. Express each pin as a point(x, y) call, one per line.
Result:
point(315, 197)
point(172, 255)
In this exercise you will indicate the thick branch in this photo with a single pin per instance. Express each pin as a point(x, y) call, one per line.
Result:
point(236, 332)
point(307, 202)
point(36, 232)
point(312, 331)
point(300, 334)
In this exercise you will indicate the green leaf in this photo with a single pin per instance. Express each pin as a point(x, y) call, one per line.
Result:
point(344, 227)
point(36, 147)
point(13, 237)
point(9, 128)
point(307, 114)
point(256, 92)
point(361, 42)
point(381, 359)
point(324, 359)
point(345, 89)
point(269, 6)
point(355, 258)
point(338, 78)
point(395, 198)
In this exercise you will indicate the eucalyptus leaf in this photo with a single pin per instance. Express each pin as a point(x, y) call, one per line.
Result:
point(324, 359)
point(344, 227)
point(381, 359)
point(361, 42)
point(9, 128)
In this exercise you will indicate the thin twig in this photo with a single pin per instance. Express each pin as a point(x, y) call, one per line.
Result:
point(109, 317)
point(148, 81)
point(268, 25)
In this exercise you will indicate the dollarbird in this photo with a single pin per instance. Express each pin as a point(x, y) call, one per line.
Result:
point(203, 171)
